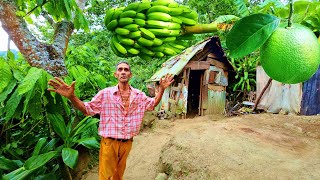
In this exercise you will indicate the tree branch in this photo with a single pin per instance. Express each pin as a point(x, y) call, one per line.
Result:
point(28, 13)
point(48, 18)
point(37, 54)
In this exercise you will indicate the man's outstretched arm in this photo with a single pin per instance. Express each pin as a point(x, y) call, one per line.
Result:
point(67, 91)
point(164, 83)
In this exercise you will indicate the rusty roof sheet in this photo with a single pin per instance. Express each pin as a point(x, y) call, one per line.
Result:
point(176, 63)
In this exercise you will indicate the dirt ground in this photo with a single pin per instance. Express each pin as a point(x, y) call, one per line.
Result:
point(261, 146)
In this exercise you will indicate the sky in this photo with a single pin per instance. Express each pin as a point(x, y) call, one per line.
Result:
point(4, 41)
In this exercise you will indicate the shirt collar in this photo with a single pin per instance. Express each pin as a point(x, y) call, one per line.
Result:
point(116, 89)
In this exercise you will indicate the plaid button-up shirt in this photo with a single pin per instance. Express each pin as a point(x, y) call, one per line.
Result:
point(115, 121)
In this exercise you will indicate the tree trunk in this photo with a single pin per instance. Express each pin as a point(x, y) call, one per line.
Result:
point(49, 57)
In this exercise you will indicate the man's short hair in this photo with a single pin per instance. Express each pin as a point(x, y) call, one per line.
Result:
point(125, 62)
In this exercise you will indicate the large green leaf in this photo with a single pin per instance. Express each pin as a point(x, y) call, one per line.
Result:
point(34, 162)
point(39, 145)
point(80, 129)
point(70, 157)
point(30, 80)
point(5, 74)
point(22, 175)
point(89, 142)
point(58, 125)
point(249, 33)
point(68, 10)
point(7, 90)
point(29, 95)
point(35, 106)
point(12, 104)
point(7, 164)
point(13, 174)
point(81, 123)
point(48, 147)
point(43, 83)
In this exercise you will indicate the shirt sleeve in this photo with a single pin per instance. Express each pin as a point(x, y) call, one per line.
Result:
point(149, 102)
point(94, 106)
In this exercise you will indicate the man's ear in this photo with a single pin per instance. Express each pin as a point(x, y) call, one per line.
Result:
point(115, 74)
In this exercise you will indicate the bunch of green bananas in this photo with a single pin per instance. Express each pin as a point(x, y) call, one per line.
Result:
point(149, 29)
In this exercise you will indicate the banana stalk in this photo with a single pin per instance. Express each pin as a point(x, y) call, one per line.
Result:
point(205, 28)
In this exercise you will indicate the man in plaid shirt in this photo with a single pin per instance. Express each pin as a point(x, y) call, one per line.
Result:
point(121, 109)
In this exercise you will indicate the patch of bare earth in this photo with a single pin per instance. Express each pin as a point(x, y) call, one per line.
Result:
point(261, 146)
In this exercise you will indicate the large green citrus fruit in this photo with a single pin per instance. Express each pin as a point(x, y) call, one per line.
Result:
point(291, 55)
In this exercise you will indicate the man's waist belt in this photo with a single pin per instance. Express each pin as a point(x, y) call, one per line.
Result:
point(120, 140)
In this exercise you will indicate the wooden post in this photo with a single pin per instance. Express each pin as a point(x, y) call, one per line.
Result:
point(200, 96)
point(261, 94)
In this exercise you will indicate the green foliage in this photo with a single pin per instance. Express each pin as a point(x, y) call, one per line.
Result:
point(36, 125)
point(245, 79)
point(70, 157)
point(249, 33)
point(58, 9)
point(246, 73)
point(210, 10)
point(5, 74)
point(305, 12)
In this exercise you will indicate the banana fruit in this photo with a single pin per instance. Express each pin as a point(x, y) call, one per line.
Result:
point(149, 29)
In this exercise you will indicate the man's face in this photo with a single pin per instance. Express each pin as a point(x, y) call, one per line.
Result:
point(123, 73)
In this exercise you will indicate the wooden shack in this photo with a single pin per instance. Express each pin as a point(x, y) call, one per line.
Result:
point(201, 77)
point(301, 98)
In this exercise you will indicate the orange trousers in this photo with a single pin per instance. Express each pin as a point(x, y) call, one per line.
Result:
point(112, 158)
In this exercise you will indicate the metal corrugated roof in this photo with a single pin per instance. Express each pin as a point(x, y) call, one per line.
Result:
point(176, 63)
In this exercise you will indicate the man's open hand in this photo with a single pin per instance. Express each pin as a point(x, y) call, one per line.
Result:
point(61, 87)
point(166, 81)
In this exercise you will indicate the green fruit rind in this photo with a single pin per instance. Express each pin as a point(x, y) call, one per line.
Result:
point(132, 6)
point(158, 54)
point(125, 21)
point(108, 16)
point(114, 49)
point(168, 39)
point(140, 22)
point(145, 56)
point(118, 46)
point(192, 15)
point(144, 42)
point(125, 40)
point(162, 25)
point(147, 34)
point(169, 51)
point(122, 31)
point(140, 16)
point(112, 25)
point(158, 8)
point(187, 21)
point(159, 16)
point(162, 2)
point(143, 6)
point(290, 55)
point(157, 42)
point(133, 51)
point(117, 13)
point(129, 13)
point(165, 32)
point(175, 11)
point(131, 27)
point(135, 35)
